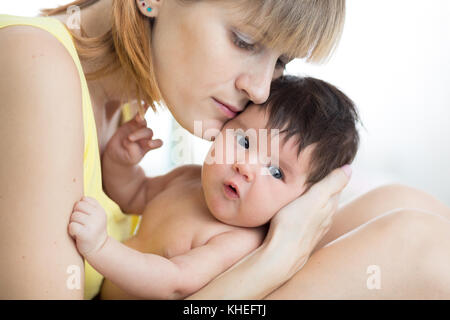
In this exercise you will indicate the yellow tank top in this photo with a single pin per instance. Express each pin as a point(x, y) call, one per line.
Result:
point(119, 225)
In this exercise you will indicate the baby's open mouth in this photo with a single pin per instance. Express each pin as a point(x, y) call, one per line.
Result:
point(231, 191)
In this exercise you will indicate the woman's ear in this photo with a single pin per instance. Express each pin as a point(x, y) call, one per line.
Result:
point(149, 8)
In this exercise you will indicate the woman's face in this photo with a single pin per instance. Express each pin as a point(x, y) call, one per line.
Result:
point(207, 65)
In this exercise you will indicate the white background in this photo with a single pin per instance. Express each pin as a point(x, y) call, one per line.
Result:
point(394, 62)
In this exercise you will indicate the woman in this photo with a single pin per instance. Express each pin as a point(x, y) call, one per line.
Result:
point(207, 60)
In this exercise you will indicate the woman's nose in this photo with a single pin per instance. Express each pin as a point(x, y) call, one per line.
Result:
point(245, 170)
point(256, 82)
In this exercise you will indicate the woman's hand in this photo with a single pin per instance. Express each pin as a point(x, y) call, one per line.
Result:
point(131, 142)
point(307, 219)
point(293, 234)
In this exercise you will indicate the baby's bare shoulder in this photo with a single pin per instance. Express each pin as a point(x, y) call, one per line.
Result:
point(191, 171)
point(185, 174)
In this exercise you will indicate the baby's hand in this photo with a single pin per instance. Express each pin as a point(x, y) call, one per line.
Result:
point(88, 226)
point(131, 142)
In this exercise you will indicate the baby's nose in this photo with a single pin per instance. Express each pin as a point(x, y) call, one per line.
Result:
point(244, 170)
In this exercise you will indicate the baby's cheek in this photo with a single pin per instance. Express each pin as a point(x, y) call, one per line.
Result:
point(217, 205)
point(274, 203)
point(255, 214)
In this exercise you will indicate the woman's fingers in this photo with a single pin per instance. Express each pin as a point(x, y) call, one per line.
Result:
point(307, 219)
point(332, 184)
point(331, 205)
point(317, 206)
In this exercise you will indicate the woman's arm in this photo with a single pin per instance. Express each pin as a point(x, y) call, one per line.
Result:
point(292, 236)
point(41, 168)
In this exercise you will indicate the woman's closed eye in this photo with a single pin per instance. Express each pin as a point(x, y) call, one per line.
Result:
point(244, 43)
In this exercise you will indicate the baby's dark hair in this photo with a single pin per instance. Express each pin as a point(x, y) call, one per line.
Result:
point(315, 112)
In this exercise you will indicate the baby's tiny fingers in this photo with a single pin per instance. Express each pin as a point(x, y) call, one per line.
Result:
point(84, 206)
point(154, 144)
point(79, 217)
point(91, 201)
point(75, 229)
point(143, 133)
point(139, 119)
point(147, 145)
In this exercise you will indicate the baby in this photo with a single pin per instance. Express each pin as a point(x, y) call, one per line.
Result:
point(197, 221)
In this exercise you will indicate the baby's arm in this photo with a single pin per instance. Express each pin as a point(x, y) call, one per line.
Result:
point(152, 276)
point(201, 265)
point(123, 178)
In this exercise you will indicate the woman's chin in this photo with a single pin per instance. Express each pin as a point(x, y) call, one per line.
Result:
point(207, 129)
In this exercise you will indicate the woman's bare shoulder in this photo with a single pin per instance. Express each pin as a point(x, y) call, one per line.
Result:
point(41, 92)
point(38, 68)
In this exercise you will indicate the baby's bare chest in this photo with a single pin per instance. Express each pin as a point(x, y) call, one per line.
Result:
point(175, 222)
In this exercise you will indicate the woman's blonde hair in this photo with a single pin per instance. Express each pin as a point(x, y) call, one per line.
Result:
point(308, 29)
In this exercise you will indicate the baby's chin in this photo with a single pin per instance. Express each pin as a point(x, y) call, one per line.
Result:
point(234, 218)
point(224, 215)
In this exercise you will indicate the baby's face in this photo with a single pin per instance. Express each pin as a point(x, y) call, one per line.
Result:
point(245, 185)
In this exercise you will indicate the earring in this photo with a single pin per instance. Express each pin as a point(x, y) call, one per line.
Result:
point(149, 9)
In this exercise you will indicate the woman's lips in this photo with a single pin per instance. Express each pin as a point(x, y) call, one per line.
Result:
point(226, 109)
point(230, 192)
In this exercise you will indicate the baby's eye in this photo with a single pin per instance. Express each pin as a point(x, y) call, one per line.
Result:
point(276, 172)
point(243, 141)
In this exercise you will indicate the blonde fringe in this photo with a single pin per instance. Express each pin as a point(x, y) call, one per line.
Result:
point(308, 29)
